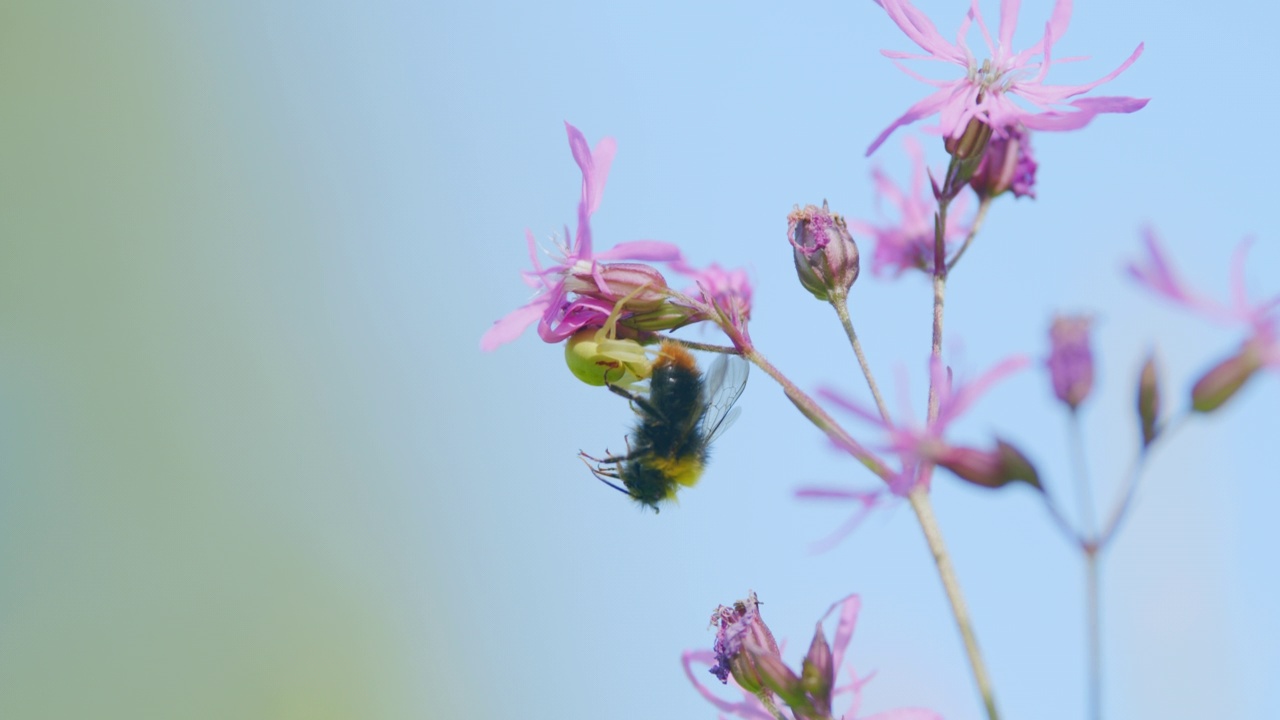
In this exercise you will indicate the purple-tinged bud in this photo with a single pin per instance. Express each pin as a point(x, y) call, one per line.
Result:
point(777, 677)
point(643, 287)
point(972, 143)
point(817, 673)
point(825, 254)
point(667, 316)
point(990, 468)
point(1071, 359)
point(1221, 383)
point(1007, 165)
point(1149, 400)
point(743, 644)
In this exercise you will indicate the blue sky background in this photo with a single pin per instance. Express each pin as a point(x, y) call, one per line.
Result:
point(252, 463)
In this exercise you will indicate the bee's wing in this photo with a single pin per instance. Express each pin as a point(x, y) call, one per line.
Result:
point(724, 383)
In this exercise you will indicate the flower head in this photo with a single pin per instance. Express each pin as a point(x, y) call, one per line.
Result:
point(919, 445)
point(909, 242)
point(812, 692)
point(720, 295)
point(1260, 348)
point(987, 90)
point(741, 638)
point(562, 310)
point(1070, 358)
point(825, 254)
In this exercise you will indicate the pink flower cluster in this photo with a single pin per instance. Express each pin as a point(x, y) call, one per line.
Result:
point(744, 643)
point(582, 288)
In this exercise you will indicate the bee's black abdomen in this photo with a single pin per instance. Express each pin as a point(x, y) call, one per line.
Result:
point(647, 484)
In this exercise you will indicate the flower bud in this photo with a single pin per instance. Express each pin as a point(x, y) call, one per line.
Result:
point(1007, 165)
point(644, 288)
point(991, 469)
point(667, 316)
point(817, 673)
point(1221, 383)
point(825, 254)
point(744, 645)
point(1149, 400)
point(1070, 359)
point(597, 359)
point(972, 143)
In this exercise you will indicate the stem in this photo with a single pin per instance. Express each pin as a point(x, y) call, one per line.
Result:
point(816, 415)
point(1135, 474)
point(1081, 467)
point(842, 309)
point(919, 495)
point(704, 347)
point(983, 206)
point(1095, 632)
point(769, 705)
point(1060, 520)
point(919, 498)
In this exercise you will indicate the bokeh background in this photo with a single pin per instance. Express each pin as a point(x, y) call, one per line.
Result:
point(253, 465)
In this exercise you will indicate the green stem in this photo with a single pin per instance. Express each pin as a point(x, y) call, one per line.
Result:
point(983, 206)
point(919, 495)
point(919, 498)
point(1094, 620)
point(842, 309)
point(816, 415)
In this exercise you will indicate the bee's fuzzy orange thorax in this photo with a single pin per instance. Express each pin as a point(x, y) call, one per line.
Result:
point(673, 354)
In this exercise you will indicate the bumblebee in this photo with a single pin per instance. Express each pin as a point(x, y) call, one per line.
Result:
point(682, 414)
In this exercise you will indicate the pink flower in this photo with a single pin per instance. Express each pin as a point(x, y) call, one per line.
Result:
point(1070, 360)
point(915, 445)
point(909, 242)
point(1156, 273)
point(987, 89)
point(1259, 350)
point(559, 316)
point(724, 294)
point(749, 706)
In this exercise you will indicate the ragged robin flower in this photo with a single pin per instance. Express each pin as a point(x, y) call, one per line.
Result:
point(919, 445)
point(580, 289)
point(1261, 319)
point(988, 88)
point(774, 690)
point(908, 241)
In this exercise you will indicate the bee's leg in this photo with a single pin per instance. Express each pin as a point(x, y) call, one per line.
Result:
point(611, 459)
point(646, 408)
point(604, 475)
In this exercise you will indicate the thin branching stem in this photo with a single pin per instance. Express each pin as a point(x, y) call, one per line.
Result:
point(983, 206)
point(842, 309)
point(919, 495)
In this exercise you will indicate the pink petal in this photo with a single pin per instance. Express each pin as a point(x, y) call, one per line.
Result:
point(595, 167)
point(1008, 22)
point(966, 395)
point(975, 13)
point(649, 250)
point(922, 109)
point(1059, 19)
point(1045, 94)
point(743, 709)
point(849, 406)
point(849, 608)
point(921, 30)
point(511, 325)
point(1086, 110)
